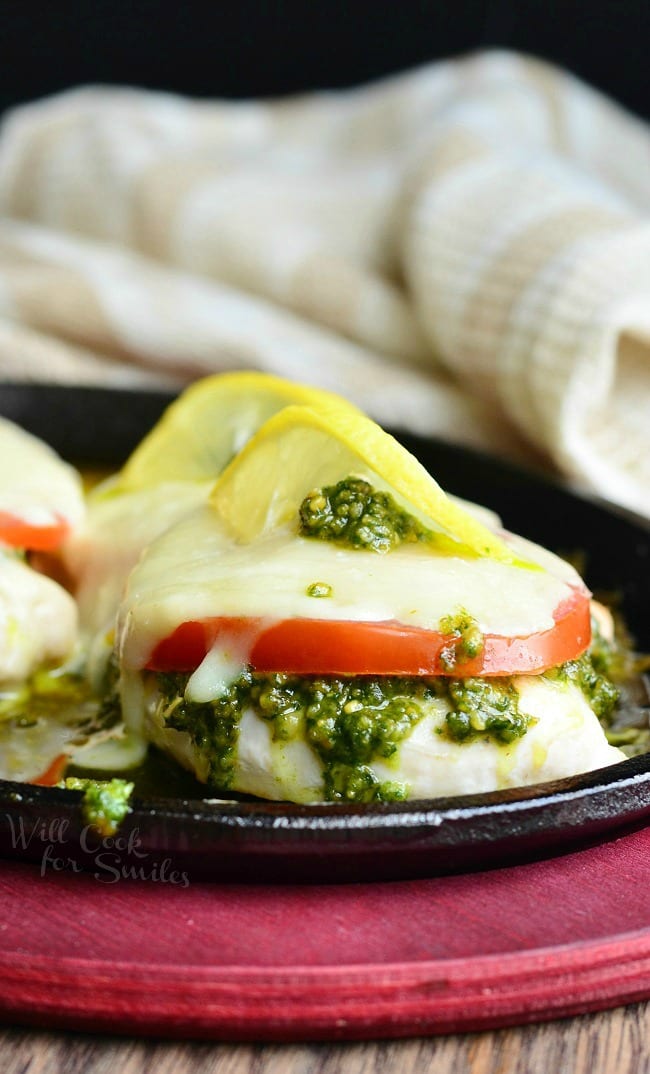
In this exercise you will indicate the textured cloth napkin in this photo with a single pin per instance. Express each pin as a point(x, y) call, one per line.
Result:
point(463, 250)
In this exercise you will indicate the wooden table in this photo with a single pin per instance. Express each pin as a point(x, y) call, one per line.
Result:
point(612, 1042)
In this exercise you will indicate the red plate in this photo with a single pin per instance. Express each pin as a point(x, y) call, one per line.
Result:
point(245, 962)
point(289, 962)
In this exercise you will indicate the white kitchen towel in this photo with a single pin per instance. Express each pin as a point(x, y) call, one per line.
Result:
point(463, 250)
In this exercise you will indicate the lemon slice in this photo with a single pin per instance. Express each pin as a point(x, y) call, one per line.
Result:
point(302, 448)
point(209, 423)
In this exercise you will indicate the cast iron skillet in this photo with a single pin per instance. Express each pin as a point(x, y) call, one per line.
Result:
point(261, 841)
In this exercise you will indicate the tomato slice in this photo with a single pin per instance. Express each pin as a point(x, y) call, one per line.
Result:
point(53, 774)
point(20, 534)
point(336, 647)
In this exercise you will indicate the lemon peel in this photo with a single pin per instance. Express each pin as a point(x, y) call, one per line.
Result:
point(302, 448)
point(209, 423)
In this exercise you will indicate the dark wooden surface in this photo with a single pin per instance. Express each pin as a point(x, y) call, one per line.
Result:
point(613, 1042)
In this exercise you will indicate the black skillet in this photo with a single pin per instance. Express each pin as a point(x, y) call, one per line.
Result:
point(254, 840)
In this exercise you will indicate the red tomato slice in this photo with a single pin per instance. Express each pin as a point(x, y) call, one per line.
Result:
point(53, 774)
point(20, 534)
point(335, 647)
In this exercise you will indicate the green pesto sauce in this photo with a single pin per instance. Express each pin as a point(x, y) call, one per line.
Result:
point(319, 589)
point(482, 708)
point(45, 693)
point(600, 674)
point(616, 659)
point(212, 726)
point(105, 803)
point(64, 697)
point(600, 692)
point(349, 722)
point(615, 680)
point(465, 639)
point(354, 514)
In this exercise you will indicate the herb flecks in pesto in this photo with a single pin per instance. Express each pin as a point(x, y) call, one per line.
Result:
point(354, 514)
point(105, 804)
point(482, 708)
point(213, 727)
point(600, 693)
point(611, 676)
point(350, 722)
point(596, 672)
point(319, 589)
point(615, 657)
point(109, 712)
point(465, 639)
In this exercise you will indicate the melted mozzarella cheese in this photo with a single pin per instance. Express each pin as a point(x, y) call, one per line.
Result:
point(565, 740)
point(223, 663)
point(35, 484)
point(196, 571)
point(38, 621)
point(99, 555)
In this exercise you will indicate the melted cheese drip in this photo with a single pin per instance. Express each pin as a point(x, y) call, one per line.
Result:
point(222, 664)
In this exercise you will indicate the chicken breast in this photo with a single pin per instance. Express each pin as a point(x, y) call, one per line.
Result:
point(38, 620)
point(564, 738)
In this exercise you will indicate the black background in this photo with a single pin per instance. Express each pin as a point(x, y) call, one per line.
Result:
point(252, 47)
